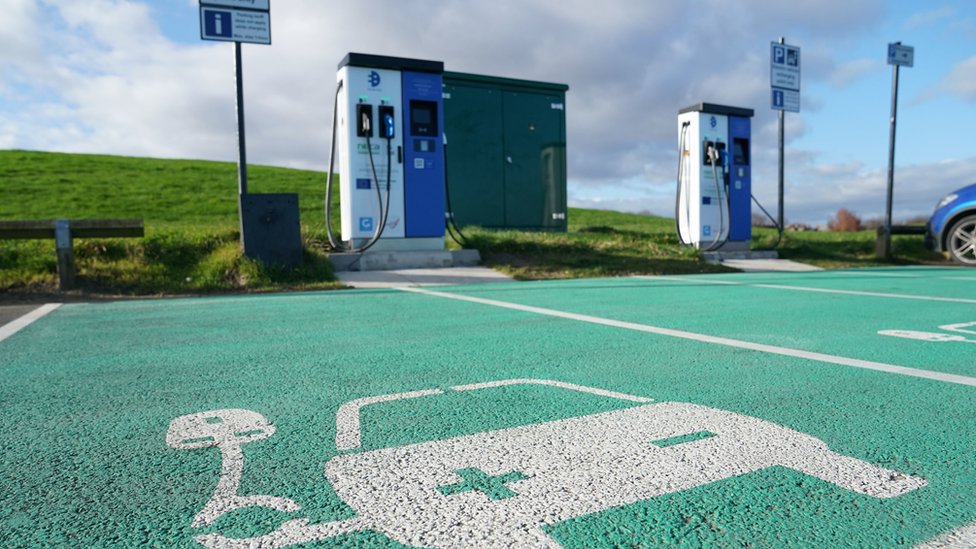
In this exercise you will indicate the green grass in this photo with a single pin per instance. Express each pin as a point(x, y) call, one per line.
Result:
point(189, 209)
point(164, 193)
point(191, 245)
point(597, 243)
point(834, 250)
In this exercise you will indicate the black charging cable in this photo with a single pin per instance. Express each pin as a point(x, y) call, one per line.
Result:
point(449, 222)
point(384, 208)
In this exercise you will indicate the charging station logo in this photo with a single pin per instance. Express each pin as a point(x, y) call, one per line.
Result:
point(365, 223)
point(374, 79)
point(713, 122)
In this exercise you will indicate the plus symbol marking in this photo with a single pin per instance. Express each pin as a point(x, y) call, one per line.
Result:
point(480, 481)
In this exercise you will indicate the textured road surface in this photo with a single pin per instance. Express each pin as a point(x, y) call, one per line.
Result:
point(827, 409)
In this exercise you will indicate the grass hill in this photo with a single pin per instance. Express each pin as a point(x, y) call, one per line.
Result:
point(192, 240)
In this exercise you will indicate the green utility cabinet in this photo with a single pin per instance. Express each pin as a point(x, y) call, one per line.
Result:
point(506, 153)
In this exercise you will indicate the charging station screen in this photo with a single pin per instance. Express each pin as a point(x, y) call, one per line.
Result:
point(423, 118)
point(740, 151)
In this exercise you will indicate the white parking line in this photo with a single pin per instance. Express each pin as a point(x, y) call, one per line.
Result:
point(903, 275)
point(961, 538)
point(19, 324)
point(810, 289)
point(348, 417)
point(771, 349)
point(869, 273)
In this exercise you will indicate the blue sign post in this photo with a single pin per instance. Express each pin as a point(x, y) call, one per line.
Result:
point(784, 76)
point(237, 21)
point(898, 56)
point(784, 82)
point(235, 25)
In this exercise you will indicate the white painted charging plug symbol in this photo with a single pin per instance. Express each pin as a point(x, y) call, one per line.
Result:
point(227, 430)
point(955, 336)
point(501, 488)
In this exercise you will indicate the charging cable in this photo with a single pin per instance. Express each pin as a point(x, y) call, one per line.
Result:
point(713, 157)
point(681, 193)
point(779, 229)
point(383, 208)
point(449, 223)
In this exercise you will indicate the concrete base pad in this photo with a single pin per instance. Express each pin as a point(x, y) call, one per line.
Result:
point(394, 260)
point(756, 261)
point(420, 277)
point(768, 265)
point(724, 255)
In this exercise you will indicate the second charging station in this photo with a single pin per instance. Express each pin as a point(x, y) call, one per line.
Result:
point(714, 194)
point(390, 137)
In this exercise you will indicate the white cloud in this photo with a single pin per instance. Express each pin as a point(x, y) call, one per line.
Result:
point(813, 191)
point(101, 76)
point(847, 73)
point(18, 32)
point(926, 18)
point(961, 81)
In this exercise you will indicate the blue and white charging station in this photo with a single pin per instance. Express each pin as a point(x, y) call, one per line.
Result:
point(390, 127)
point(713, 206)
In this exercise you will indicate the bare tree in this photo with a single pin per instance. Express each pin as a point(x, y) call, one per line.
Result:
point(845, 221)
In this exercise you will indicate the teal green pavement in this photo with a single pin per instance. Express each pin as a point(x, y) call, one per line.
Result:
point(90, 392)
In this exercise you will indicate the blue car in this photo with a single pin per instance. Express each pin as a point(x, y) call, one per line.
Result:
point(952, 228)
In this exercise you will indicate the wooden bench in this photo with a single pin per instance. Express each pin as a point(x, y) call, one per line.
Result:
point(63, 231)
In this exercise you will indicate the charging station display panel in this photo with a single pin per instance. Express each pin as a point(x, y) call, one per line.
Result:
point(370, 118)
point(740, 180)
point(424, 202)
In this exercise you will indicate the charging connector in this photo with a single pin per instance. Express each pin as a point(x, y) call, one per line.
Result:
point(364, 120)
point(387, 122)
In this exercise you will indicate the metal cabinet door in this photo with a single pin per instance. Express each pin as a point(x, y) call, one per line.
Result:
point(473, 123)
point(535, 161)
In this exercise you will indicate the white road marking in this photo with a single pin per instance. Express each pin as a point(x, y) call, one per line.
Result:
point(772, 349)
point(925, 336)
point(809, 289)
point(959, 327)
point(936, 336)
point(545, 473)
point(560, 384)
point(904, 275)
point(869, 273)
point(574, 467)
point(19, 324)
point(347, 418)
point(227, 430)
point(961, 538)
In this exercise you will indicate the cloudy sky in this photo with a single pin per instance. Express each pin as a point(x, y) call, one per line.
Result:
point(133, 78)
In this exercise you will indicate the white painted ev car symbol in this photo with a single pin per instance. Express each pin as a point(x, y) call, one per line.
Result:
point(962, 328)
point(499, 488)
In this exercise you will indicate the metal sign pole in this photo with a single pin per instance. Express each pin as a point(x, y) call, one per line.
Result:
point(782, 146)
point(782, 162)
point(241, 152)
point(891, 162)
point(898, 55)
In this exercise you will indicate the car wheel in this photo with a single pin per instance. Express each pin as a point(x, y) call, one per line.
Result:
point(961, 242)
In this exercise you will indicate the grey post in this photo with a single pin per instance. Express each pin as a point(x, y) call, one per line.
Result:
point(66, 254)
point(241, 149)
point(884, 246)
point(782, 147)
point(241, 152)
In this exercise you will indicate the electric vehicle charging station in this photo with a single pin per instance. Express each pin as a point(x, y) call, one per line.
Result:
point(389, 120)
point(713, 209)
